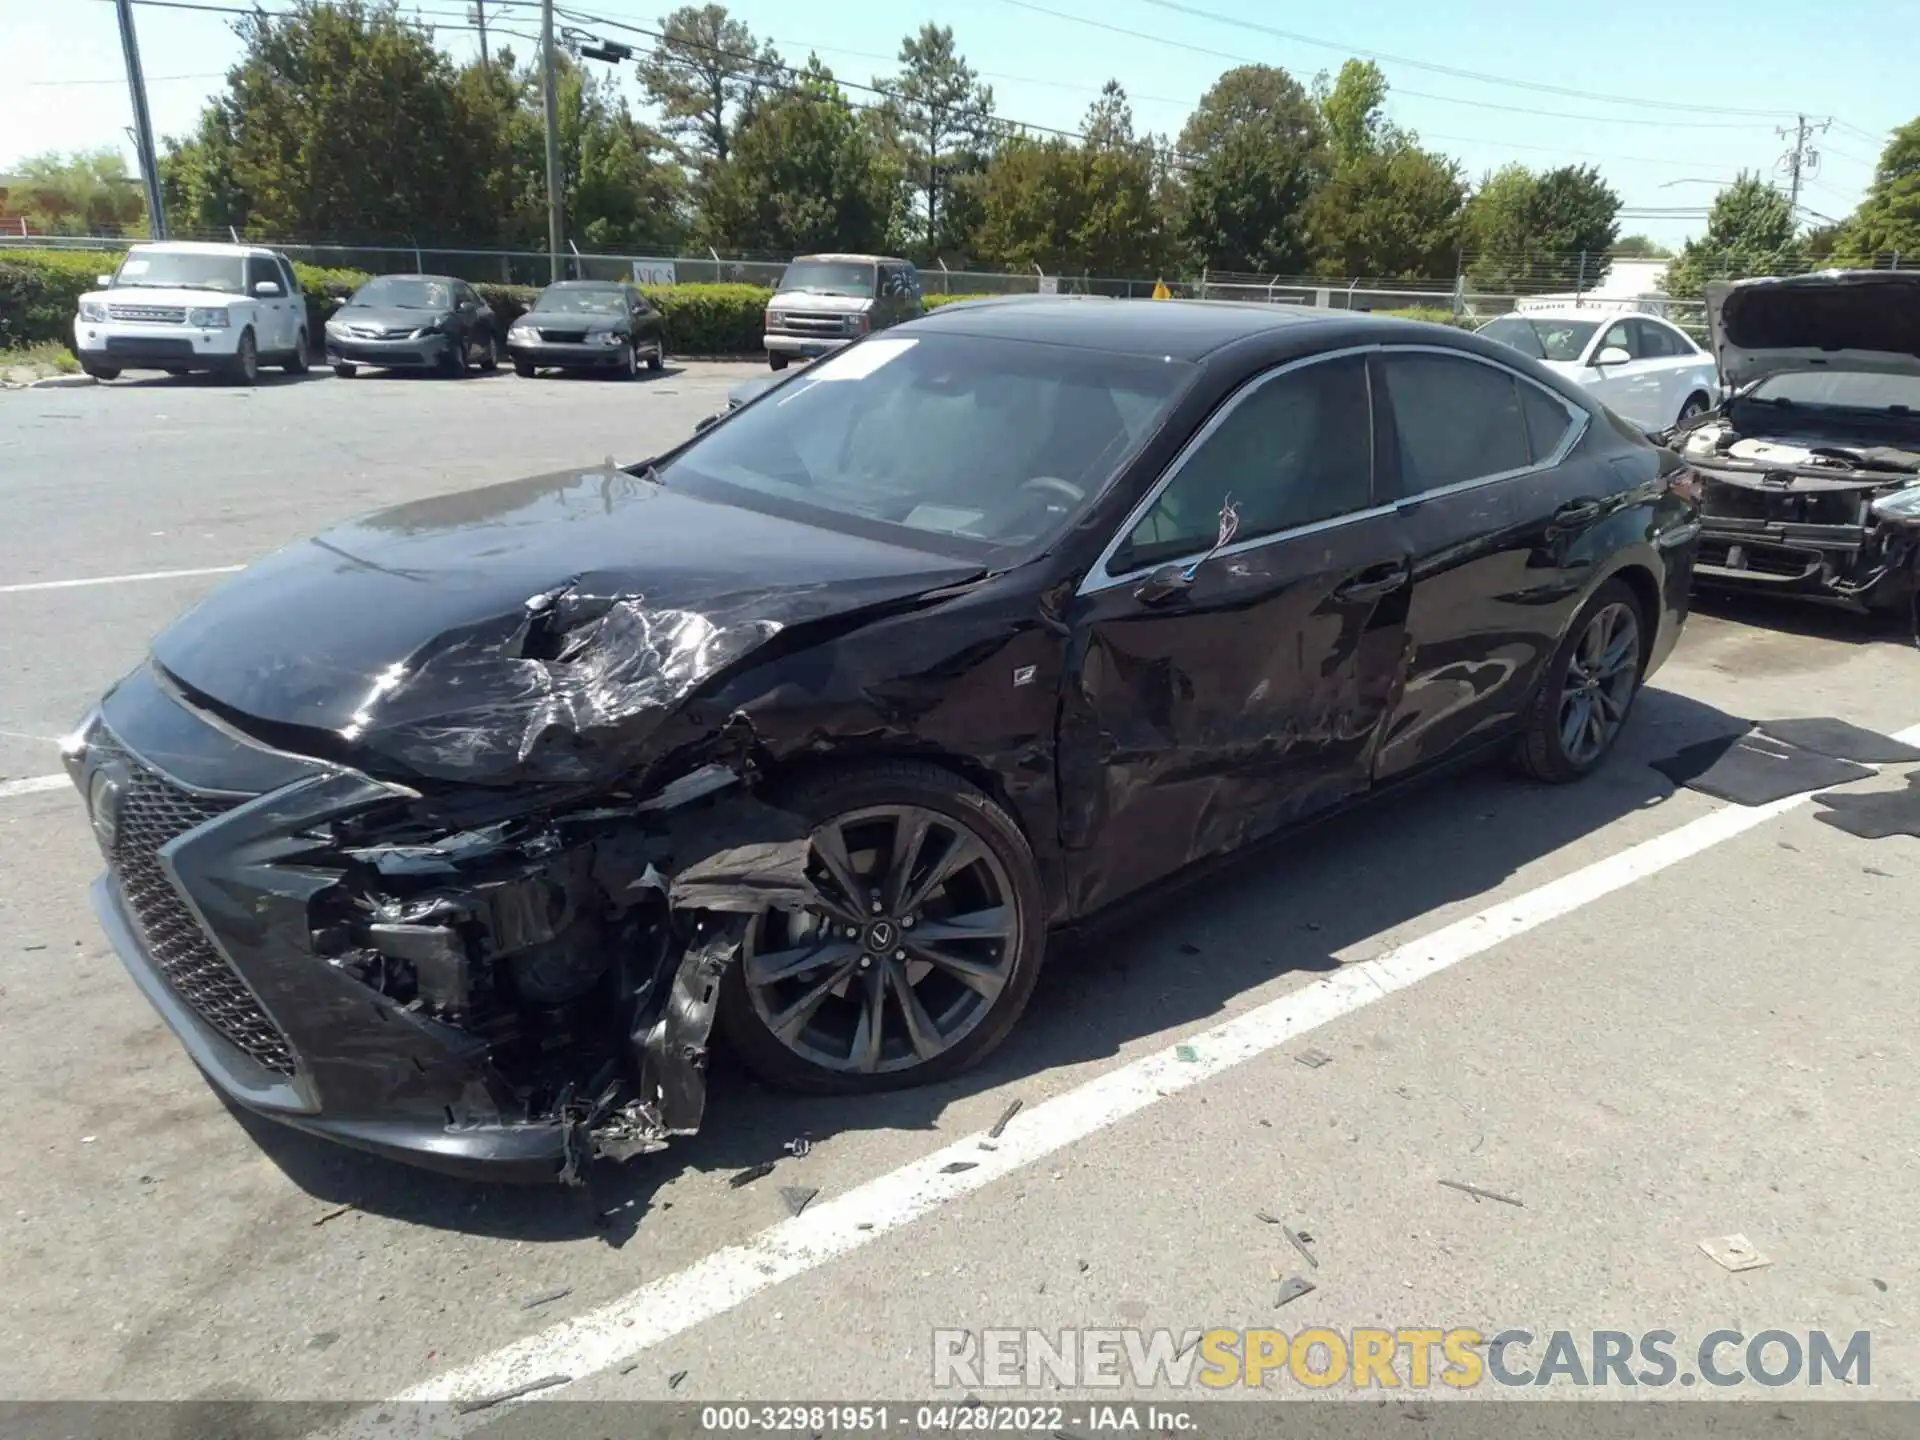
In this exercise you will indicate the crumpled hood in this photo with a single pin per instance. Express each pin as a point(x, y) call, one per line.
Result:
point(1858, 320)
point(535, 631)
point(387, 317)
point(820, 304)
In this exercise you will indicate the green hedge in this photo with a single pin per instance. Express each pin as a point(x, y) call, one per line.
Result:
point(40, 290)
point(1433, 316)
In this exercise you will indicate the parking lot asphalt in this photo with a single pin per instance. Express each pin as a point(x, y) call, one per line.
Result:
point(1649, 1017)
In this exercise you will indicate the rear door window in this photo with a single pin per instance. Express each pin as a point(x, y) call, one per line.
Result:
point(1456, 419)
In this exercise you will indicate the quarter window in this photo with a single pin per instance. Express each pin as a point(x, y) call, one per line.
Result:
point(1548, 421)
point(1293, 449)
point(1456, 419)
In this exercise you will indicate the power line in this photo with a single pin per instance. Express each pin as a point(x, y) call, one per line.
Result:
point(121, 80)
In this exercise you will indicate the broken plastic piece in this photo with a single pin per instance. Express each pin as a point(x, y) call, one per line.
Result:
point(1292, 1289)
point(954, 1167)
point(1314, 1059)
point(751, 1174)
point(547, 1297)
point(673, 1380)
point(1479, 1194)
point(1185, 1053)
point(545, 1382)
point(1006, 1117)
point(1734, 1252)
point(1265, 1219)
point(1298, 1239)
point(798, 1197)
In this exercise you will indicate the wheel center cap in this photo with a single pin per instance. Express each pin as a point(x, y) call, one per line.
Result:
point(882, 936)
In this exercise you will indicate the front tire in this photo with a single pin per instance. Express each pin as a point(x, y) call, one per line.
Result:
point(345, 371)
point(1695, 407)
point(628, 365)
point(297, 362)
point(1589, 689)
point(941, 894)
point(523, 368)
point(244, 367)
point(490, 357)
point(105, 372)
point(776, 362)
point(657, 360)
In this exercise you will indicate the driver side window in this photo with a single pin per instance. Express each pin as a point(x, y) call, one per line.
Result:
point(1288, 451)
point(1623, 335)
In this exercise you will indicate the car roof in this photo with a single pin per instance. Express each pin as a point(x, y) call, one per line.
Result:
point(1581, 312)
point(1180, 329)
point(590, 285)
point(415, 275)
point(203, 247)
point(848, 256)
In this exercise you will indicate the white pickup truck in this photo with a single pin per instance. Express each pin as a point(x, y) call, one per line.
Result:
point(180, 307)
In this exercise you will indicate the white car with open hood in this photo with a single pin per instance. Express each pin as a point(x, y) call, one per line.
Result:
point(181, 307)
point(1810, 471)
point(1641, 367)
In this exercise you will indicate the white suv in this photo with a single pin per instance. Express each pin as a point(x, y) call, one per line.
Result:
point(182, 307)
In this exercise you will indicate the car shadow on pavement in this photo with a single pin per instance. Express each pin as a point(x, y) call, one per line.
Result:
point(1191, 956)
point(212, 380)
point(1789, 615)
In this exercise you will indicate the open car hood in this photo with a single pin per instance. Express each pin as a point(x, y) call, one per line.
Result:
point(1866, 321)
point(539, 631)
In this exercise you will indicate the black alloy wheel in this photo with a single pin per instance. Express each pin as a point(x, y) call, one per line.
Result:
point(921, 954)
point(1589, 689)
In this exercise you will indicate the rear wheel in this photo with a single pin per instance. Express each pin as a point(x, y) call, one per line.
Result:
point(922, 953)
point(346, 371)
point(297, 362)
point(1589, 689)
point(776, 361)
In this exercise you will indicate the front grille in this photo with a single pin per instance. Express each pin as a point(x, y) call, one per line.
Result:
point(156, 349)
point(563, 337)
point(148, 314)
point(1817, 507)
point(802, 322)
point(154, 810)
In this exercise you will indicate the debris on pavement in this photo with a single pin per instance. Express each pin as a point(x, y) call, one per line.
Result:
point(322, 1339)
point(864, 1225)
point(545, 1382)
point(333, 1214)
point(954, 1167)
point(629, 1369)
point(1265, 1219)
point(751, 1174)
point(798, 1147)
point(1314, 1059)
point(1298, 1239)
point(546, 1297)
point(1006, 1116)
point(1480, 1194)
point(31, 948)
point(1185, 1053)
point(673, 1380)
point(798, 1197)
point(1084, 1267)
point(1880, 1285)
point(1734, 1252)
point(1292, 1289)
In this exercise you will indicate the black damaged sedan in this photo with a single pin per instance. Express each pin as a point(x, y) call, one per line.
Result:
point(456, 831)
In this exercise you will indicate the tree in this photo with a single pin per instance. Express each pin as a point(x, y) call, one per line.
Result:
point(1888, 219)
point(804, 174)
point(339, 119)
point(1256, 149)
point(86, 193)
point(941, 118)
point(1750, 231)
point(706, 74)
point(1529, 231)
point(1388, 208)
point(1639, 247)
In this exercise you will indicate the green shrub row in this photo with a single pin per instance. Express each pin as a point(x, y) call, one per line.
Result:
point(1433, 316)
point(40, 291)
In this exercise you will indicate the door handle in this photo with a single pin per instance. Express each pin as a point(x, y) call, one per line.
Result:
point(1374, 581)
point(1577, 512)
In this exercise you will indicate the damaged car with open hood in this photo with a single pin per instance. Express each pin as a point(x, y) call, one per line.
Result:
point(1810, 469)
point(459, 832)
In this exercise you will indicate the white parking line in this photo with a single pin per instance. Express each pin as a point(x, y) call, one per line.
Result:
point(728, 1278)
point(22, 589)
point(32, 786)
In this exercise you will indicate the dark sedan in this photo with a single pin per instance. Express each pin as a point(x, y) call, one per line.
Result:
point(413, 322)
point(589, 325)
point(453, 832)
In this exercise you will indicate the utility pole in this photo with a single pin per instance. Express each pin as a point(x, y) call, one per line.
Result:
point(552, 106)
point(142, 123)
point(480, 19)
point(1802, 160)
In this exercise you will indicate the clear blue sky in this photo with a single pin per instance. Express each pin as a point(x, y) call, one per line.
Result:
point(1852, 60)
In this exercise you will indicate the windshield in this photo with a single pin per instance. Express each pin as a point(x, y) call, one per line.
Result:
point(829, 277)
point(582, 302)
point(181, 270)
point(1848, 390)
point(1543, 337)
point(989, 444)
point(403, 292)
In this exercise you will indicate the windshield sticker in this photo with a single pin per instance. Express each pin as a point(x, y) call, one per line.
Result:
point(859, 361)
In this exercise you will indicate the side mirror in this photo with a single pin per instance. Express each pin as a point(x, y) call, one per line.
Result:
point(1167, 583)
point(267, 287)
point(1612, 355)
point(103, 281)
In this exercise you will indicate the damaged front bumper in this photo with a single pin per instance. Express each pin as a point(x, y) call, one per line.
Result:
point(485, 984)
point(1820, 541)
